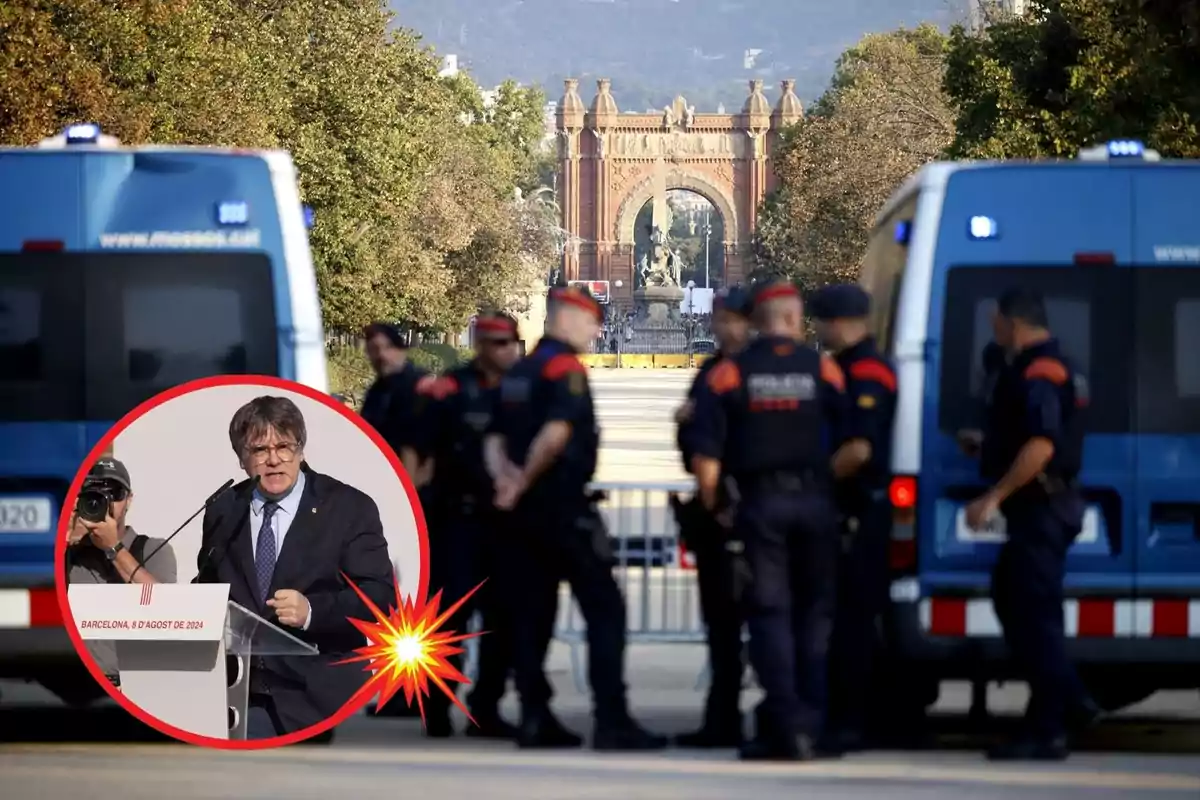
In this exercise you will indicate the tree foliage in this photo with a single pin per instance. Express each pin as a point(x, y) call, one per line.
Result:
point(411, 177)
point(883, 116)
point(1072, 73)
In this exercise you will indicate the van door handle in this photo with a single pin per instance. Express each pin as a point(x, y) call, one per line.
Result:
point(1174, 523)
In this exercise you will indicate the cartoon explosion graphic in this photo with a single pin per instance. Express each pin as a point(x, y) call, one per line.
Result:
point(407, 650)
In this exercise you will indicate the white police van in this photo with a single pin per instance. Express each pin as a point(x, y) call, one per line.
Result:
point(125, 271)
point(1112, 241)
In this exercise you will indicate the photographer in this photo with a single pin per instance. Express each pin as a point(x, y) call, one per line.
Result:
point(101, 548)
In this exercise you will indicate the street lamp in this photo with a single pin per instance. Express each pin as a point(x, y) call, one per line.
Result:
point(707, 238)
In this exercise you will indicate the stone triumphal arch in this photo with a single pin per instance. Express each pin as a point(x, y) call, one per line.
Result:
point(612, 163)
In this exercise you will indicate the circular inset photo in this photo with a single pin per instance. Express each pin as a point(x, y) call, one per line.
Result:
point(218, 547)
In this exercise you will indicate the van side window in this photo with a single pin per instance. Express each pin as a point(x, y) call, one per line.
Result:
point(1088, 316)
point(1167, 330)
point(883, 268)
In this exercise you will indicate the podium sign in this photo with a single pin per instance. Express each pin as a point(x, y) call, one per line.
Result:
point(177, 612)
point(170, 642)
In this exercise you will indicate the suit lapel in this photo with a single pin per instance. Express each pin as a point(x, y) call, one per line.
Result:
point(243, 552)
point(300, 535)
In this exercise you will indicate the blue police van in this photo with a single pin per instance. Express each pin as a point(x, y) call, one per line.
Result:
point(1112, 241)
point(125, 271)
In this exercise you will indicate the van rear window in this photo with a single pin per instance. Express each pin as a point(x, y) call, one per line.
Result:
point(1167, 332)
point(1087, 314)
point(88, 337)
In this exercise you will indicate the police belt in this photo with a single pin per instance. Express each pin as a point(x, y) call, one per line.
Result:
point(1056, 484)
point(782, 480)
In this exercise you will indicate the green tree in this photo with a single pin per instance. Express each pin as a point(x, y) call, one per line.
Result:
point(1072, 73)
point(883, 116)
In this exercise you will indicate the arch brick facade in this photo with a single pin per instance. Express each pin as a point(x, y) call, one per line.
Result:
point(611, 164)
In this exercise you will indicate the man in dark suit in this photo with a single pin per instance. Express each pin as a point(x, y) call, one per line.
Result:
point(281, 540)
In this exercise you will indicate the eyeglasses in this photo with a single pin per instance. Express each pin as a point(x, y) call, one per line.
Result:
point(285, 453)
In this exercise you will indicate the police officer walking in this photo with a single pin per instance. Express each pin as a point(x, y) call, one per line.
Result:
point(763, 419)
point(464, 548)
point(707, 540)
point(840, 312)
point(542, 455)
point(1032, 453)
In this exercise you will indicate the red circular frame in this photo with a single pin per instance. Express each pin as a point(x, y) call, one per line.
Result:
point(60, 550)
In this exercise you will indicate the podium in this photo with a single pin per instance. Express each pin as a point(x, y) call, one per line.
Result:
point(184, 651)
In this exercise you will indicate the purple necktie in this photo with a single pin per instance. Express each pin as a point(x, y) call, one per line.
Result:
point(264, 553)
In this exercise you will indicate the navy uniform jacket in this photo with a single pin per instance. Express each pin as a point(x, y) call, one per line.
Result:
point(871, 391)
point(686, 431)
point(1038, 395)
point(391, 406)
point(549, 385)
point(461, 407)
point(776, 407)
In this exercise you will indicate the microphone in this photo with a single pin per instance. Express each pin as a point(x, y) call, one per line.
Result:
point(211, 558)
point(212, 498)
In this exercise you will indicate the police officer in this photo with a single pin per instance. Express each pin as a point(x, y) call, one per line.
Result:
point(393, 408)
point(464, 548)
point(762, 419)
point(993, 360)
point(705, 539)
point(840, 313)
point(391, 405)
point(1032, 453)
point(542, 455)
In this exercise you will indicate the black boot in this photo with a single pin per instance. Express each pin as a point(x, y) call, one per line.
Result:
point(625, 736)
point(1031, 748)
point(544, 732)
point(490, 725)
point(791, 748)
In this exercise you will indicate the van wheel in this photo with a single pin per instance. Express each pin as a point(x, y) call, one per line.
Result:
point(1114, 696)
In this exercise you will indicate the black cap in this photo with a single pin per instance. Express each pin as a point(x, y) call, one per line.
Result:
point(840, 301)
point(109, 469)
point(735, 300)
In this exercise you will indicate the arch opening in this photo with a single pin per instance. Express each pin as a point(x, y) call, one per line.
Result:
point(695, 236)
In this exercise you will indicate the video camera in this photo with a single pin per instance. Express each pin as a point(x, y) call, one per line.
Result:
point(96, 498)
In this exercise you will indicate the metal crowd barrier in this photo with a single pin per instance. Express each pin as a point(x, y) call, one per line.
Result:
point(657, 579)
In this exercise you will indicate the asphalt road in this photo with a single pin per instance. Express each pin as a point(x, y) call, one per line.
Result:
point(1148, 751)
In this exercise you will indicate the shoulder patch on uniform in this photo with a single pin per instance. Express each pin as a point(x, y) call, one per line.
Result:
point(866, 401)
point(577, 383)
point(562, 365)
point(872, 369)
point(425, 383)
point(831, 373)
point(724, 378)
point(1047, 369)
point(439, 388)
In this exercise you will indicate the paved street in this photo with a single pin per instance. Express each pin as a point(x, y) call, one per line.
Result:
point(1149, 751)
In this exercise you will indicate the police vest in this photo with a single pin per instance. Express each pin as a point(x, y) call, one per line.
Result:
point(1008, 416)
point(775, 421)
point(525, 397)
point(458, 454)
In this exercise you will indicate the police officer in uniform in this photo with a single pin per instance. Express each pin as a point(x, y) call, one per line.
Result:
point(768, 419)
point(1032, 453)
point(392, 408)
point(840, 312)
point(542, 455)
point(705, 538)
point(391, 405)
point(465, 549)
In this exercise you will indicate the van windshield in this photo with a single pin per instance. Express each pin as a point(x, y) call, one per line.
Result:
point(89, 336)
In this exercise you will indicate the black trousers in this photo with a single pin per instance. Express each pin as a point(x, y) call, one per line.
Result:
point(1027, 593)
point(862, 597)
point(465, 551)
point(723, 622)
point(560, 543)
point(791, 547)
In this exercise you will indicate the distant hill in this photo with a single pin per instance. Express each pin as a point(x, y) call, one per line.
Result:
point(654, 49)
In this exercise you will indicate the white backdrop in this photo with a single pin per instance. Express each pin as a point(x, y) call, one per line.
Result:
point(179, 454)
